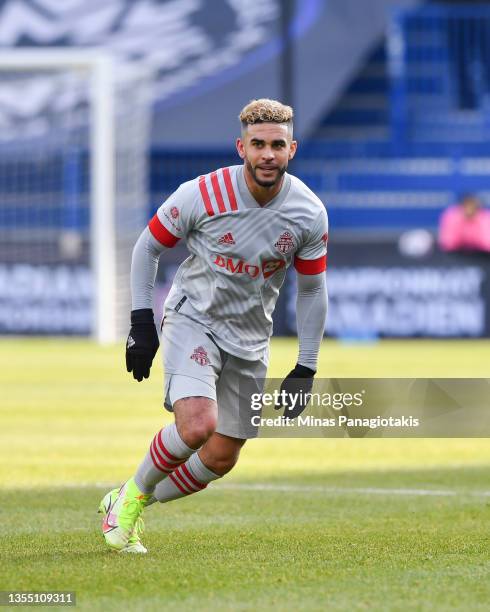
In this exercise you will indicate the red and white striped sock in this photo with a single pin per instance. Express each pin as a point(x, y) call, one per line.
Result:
point(167, 451)
point(190, 477)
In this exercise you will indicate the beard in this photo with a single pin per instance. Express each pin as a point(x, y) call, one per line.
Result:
point(280, 170)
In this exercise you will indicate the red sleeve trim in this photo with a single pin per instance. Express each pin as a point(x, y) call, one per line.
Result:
point(311, 266)
point(161, 233)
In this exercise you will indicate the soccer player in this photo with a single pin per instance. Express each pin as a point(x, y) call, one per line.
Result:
point(244, 225)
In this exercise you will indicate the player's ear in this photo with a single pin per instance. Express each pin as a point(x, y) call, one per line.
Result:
point(292, 149)
point(240, 147)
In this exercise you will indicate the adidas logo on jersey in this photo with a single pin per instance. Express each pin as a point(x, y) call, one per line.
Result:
point(227, 239)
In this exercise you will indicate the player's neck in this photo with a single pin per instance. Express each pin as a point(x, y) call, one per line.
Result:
point(262, 195)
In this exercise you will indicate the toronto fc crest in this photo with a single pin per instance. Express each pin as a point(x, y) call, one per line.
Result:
point(200, 356)
point(285, 243)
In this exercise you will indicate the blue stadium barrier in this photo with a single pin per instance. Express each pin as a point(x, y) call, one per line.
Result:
point(451, 44)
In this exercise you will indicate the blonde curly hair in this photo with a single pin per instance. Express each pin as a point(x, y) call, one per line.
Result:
point(265, 110)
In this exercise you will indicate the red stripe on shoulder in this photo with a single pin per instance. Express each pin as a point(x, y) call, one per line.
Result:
point(311, 266)
point(229, 189)
point(205, 196)
point(161, 233)
point(217, 192)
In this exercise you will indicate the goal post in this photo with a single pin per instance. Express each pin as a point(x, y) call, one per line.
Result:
point(102, 201)
point(102, 115)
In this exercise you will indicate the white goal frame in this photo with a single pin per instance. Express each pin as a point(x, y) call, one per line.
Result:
point(100, 67)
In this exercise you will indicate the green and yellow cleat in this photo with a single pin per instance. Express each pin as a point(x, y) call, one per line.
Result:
point(122, 524)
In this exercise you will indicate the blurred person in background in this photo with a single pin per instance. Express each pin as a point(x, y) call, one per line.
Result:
point(465, 226)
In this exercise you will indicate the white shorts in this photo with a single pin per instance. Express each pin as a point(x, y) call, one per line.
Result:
point(195, 366)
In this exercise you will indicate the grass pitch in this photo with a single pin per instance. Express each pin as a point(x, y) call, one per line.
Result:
point(299, 524)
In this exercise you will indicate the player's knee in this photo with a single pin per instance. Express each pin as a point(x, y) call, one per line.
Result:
point(195, 434)
point(222, 464)
point(196, 420)
point(221, 461)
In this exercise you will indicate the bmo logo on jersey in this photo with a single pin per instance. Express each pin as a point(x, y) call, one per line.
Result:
point(268, 267)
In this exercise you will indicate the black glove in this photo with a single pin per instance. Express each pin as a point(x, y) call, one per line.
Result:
point(142, 343)
point(298, 382)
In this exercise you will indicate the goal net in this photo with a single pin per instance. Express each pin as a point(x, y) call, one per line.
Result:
point(74, 141)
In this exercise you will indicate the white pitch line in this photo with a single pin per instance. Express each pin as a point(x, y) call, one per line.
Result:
point(326, 490)
point(350, 490)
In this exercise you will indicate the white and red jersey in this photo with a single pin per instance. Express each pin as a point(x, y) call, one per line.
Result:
point(239, 252)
